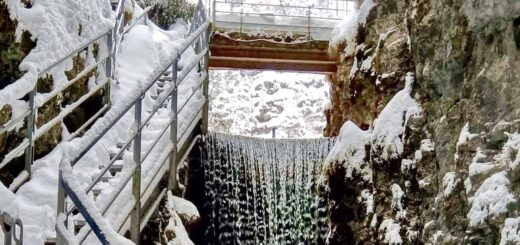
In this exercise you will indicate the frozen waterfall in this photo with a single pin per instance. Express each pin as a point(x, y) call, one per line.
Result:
point(263, 191)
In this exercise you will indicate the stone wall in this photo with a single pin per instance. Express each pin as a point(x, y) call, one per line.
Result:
point(456, 179)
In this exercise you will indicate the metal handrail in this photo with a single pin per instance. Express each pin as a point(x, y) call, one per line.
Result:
point(199, 37)
point(307, 17)
point(10, 227)
point(281, 6)
point(30, 116)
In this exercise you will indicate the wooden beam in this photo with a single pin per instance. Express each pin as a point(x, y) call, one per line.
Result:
point(269, 53)
point(218, 62)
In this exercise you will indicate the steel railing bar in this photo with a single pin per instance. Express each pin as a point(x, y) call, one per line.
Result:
point(103, 171)
point(191, 122)
point(156, 140)
point(189, 68)
point(277, 25)
point(12, 123)
point(281, 15)
point(191, 38)
point(80, 75)
point(168, 92)
point(81, 48)
point(127, 108)
point(192, 94)
point(89, 121)
point(274, 5)
point(16, 152)
point(162, 160)
point(136, 20)
point(42, 130)
point(185, 71)
point(151, 210)
point(111, 199)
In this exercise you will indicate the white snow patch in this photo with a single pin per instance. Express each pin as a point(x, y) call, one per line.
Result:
point(477, 167)
point(391, 230)
point(491, 199)
point(346, 30)
point(449, 182)
point(397, 196)
point(55, 24)
point(511, 231)
point(390, 125)
point(368, 198)
point(427, 145)
point(407, 165)
point(350, 147)
point(464, 137)
point(510, 154)
point(183, 206)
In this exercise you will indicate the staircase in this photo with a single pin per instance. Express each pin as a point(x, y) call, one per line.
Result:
point(78, 214)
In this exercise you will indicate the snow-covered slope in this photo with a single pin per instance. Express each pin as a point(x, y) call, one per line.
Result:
point(253, 102)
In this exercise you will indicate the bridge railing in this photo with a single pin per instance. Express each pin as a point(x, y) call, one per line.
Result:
point(179, 137)
point(311, 21)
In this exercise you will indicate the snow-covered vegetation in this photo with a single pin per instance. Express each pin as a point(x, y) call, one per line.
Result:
point(254, 102)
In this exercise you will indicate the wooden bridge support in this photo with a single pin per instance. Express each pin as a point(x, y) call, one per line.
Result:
point(297, 56)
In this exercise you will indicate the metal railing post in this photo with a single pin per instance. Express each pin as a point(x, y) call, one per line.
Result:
point(135, 219)
point(172, 180)
point(109, 72)
point(61, 209)
point(205, 89)
point(309, 23)
point(31, 121)
point(214, 13)
point(242, 17)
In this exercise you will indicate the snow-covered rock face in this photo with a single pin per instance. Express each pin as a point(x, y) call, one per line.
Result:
point(445, 167)
point(253, 102)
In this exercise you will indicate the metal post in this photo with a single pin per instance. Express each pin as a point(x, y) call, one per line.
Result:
point(109, 66)
point(242, 17)
point(135, 219)
point(214, 13)
point(309, 23)
point(205, 88)
point(61, 209)
point(31, 121)
point(273, 132)
point(172, 180)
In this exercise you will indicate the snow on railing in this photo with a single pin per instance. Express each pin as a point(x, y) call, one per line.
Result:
point(312, 21)
point(29, 117)
point(12, 229)
point(199, 37)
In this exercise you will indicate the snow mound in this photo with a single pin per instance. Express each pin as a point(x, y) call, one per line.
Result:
point(350, 147)
point(389, 127)
point(511, 231)
point(491, 199)
point(346, 30)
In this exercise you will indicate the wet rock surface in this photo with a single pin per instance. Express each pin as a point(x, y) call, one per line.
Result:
point(456, 179)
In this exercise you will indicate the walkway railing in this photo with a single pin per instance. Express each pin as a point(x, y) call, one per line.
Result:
point(311, 21)
point(199, 37)
point(29, 118)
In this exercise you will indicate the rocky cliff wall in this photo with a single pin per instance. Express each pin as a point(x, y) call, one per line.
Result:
point(445, 172)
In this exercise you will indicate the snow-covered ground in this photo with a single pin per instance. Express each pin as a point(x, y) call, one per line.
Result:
point(251, 103)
